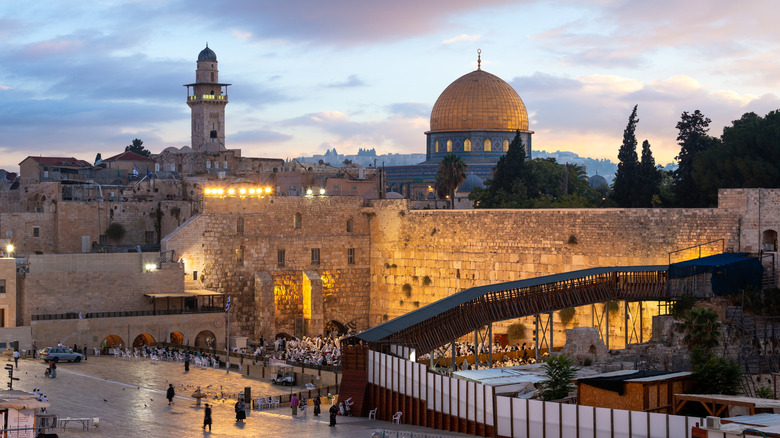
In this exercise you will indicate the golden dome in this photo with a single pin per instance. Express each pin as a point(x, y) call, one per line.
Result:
point(479, 101)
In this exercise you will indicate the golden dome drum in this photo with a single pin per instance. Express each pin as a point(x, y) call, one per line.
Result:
point(479, 101)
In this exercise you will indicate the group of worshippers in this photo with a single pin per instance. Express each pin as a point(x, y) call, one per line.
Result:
point(308, 350)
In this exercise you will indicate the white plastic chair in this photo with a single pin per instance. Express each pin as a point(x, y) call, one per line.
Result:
point(397, 417)
point(372, 413)
point(96, 422)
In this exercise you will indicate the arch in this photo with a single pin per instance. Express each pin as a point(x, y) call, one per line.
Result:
point(467, 145)
point(112, 341)
point(769, 240)
point(449, 145)
point(142, 340)
point(297, 221)
point(436, 147)
point(212, 77)
point(177, 338)
point(350, 225)
point(240, 225)
point(206, 339)
point(488, 145)
point(431, 196)
point(506, 145)
point(283, 335)
point(332, 325)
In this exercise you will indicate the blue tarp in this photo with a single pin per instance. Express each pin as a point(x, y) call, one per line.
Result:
point(731, 272)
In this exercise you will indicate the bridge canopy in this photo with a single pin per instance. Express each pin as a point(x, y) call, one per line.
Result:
point(730, 272)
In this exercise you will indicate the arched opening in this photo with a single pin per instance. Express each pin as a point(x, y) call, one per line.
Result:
point(334, 326)
point(467, 145)
point(206, 339)
point(769, 240)
point(350, 225)
point(431, 196)
point(283, 335)
point(449, 145)
point(297, 222)
point(436, 146)
point(212, 77)
point(488, 145)
point(506, 145)
point(177, 338)
point(112, 341)
point(240, 225)
point(143, 340)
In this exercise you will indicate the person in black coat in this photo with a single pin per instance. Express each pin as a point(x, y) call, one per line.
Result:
point(334, 410)
point(186, 364)
point(207, 417)
point(316, 406)
point(170, 394)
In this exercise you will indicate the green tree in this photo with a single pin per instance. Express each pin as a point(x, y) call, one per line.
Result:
point(693, 139)
point(452, 172)
point(717, 375)
point(702, 329)
point(138, 147)
point(627, 176)
point(98, 158)
point(649, 178)
point(115, 231)
point(560, 370)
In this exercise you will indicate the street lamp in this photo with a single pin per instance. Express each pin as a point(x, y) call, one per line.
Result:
point(10, 249)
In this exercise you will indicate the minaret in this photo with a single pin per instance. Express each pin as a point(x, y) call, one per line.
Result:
point(207, 99)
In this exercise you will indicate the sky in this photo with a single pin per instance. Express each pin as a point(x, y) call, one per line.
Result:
point(87, 77)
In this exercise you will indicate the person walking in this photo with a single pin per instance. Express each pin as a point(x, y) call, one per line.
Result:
point(85, 351)
point(34, 349)
point(16, 358)
point(316, 406)
point(170, 394)
point(294, 405)
point(303, 403)
point(334, 410)
point(240, 411)
point(207, 417)
point(187, 364)
point(52, 369)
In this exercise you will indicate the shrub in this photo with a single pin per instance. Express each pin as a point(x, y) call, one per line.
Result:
point(683, 305)
point(717, 376)
point(764, 392)
point(516, 332)
point(115, 231)
point(612, 306)
point(567, 315)
point(407, 288)
point(560, 370)
point(426, 281)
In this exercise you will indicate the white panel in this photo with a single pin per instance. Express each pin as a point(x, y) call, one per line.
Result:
point(639, 424)
point(569, 420)
point(520, 424)
point(553, 418)
point(692, 422)
point(383, 371)
point(430, 395)
point(471, 402)
point(446, 392)
point(535, 414)
point(620, 424)
point(489, 405)
point(463, 402)
point(408, 377)
point(415, 381)
point(480, 402)
point(395, 373)
point(658, 425)
point(503, 409)
point(603, 429)
point(371, 364)
point(586, 422)
point(677, 426)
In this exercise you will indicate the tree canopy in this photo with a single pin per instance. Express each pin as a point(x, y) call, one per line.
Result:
point(627, 176)
point(693, 139)
point(138, 148)
point(452, 172)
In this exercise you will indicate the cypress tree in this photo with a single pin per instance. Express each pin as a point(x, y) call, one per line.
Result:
point(627, 176)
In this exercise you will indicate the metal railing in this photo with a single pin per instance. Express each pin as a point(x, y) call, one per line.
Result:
point(127, 313)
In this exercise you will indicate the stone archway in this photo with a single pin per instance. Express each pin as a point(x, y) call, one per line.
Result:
point(334, 325)
point(112, 341)
point(142, 340)
point(206, 339)
point(176, 338)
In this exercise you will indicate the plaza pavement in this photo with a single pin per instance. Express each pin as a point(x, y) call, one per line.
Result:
point(129, 399)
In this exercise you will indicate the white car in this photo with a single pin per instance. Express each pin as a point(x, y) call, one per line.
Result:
point(57, 354)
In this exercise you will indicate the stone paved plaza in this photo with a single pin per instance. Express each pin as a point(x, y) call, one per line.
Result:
point(129, 399)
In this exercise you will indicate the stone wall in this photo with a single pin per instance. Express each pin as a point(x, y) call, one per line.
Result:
point(9, 297)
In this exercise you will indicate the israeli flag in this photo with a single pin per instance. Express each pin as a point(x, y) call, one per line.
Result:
point(135, 171)
point(227, 306)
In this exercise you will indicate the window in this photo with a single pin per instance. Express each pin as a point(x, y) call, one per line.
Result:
point(156, 167)
point(449, 145)
point(216, 164)
point(488, 145)
point(2, 286)
point(335, 187)
point(351, 256)
point(315, 256)
point(149, 237)
point(36, 232)
point(103, 239)
point(240, 225)
point(224, 164)
point(436, 146)
point(467, 145)
point(280, 257)
point(240, 256)
point(350, 225)
point(506, 145)
point(297, 221)
point(208, 164)
point(194, 275)
point(173, 167)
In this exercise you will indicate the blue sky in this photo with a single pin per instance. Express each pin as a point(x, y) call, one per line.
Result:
point(78, 78)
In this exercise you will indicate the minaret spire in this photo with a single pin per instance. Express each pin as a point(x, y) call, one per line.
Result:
point(479, 58)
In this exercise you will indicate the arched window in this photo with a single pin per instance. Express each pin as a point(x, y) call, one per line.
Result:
point(449, 145)
point(488, 145)
point(240, 225)
point(350, 225)
point(297, 221)
point(212, 76)
point(506, 145)
point(770, 240)
point(436, 147)
point(467, 145)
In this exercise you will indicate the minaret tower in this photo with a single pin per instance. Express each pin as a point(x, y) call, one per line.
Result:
point(207, 99)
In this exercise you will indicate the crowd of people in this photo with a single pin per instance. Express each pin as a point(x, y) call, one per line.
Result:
point(513, 355)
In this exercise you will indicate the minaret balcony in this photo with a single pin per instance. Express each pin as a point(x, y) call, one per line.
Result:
point(207, 97)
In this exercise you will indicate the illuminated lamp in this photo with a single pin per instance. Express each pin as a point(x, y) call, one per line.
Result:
point(322, 191)
point(251, 191)
point(150, 267)
point(220, 191)
point(309, 192)
point(268, 190)
point(10, 249)
point(242, 191)
point(231, 191)
point(208, 191)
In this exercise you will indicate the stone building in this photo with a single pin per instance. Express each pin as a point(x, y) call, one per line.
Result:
point(207, 98)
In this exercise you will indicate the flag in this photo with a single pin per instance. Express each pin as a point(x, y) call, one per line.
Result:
point(135, 171)
point(227, 306)
point(148, 174)
point(118, 175)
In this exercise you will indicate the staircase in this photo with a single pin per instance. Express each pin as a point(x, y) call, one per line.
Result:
point(354, 378)
point(757, 337)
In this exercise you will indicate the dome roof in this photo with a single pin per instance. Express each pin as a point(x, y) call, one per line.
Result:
point(393, 195)
point(470, 183)
point(479, 101)
point(207, 55)
point(597, 181)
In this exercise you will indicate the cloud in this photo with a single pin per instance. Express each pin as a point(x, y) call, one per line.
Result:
point(351, 82)
point(461, 37)
point(259, 136)
point(410, 109)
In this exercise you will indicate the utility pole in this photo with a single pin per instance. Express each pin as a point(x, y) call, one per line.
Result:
point(11, 377)
point(227, 333)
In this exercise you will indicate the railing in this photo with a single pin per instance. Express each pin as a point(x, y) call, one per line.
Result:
point(122, 314)
point(208, 97)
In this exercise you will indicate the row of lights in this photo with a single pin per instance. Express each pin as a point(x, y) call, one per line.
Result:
point(259, 191)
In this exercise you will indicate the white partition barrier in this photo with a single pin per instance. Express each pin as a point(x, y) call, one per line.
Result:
point(515, 417)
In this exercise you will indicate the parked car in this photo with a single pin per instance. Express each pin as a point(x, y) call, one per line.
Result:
point(284, 380)
point(58, 354)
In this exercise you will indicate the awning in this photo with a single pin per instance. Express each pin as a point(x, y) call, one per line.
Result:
point(189, 293)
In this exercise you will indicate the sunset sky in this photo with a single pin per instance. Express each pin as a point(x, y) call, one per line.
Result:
point(78, 78)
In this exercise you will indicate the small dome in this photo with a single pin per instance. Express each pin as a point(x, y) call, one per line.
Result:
point(394, 195)
point(207, 55)
point(597, 181)
point(470, 183)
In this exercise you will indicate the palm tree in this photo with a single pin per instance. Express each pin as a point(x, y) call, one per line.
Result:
point(452, 172)
point(703, 330)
